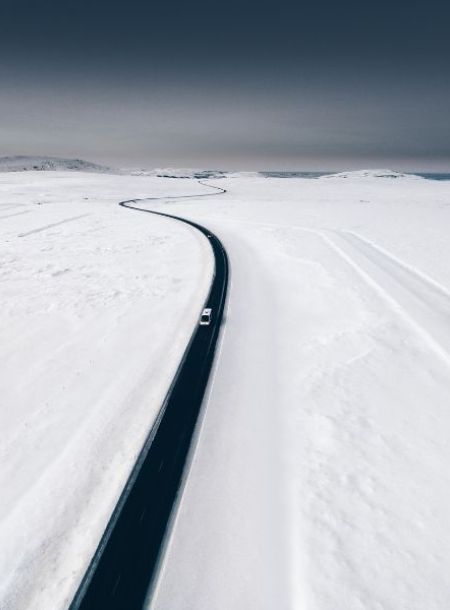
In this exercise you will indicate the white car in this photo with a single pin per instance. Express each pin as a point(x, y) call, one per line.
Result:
point(205, 318)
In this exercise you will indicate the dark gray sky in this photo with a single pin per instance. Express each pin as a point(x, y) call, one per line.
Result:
point(238, 85)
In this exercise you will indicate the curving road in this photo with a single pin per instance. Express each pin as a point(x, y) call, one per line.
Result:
point(123, 567)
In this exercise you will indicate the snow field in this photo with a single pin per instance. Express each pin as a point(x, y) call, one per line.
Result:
point(98, 304)
point(320, 476)
point(320, 480)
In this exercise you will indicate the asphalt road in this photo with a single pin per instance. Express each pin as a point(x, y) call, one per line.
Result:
point(126, 560)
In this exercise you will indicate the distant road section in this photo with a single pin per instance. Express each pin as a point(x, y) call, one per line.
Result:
point(126, 559)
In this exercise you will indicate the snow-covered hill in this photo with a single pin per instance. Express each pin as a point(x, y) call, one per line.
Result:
point(180, 172)
point(371, 173)
point(26, 163)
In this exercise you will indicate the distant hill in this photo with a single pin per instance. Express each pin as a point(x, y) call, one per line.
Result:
point(197, 174)
point(371, 173)
point(45, 164)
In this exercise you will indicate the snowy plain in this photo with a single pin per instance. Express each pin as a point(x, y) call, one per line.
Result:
point(320, 480)
point(320, 476)
point(98, 304)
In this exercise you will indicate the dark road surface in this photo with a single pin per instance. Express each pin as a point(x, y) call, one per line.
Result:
point(126, 559)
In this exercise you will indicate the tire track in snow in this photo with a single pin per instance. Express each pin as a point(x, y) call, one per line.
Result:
point(368, 246)
point(10, 206)
point(53, 224)
point(421, 301)
point(15, 214)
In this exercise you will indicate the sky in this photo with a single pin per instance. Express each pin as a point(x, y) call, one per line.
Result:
point(229, 85)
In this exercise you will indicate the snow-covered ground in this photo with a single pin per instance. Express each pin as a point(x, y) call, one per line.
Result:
point(98, 304)
point(320, 477)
